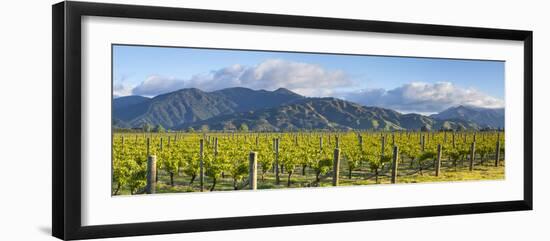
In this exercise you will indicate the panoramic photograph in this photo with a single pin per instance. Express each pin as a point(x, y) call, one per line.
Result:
point(209, 120)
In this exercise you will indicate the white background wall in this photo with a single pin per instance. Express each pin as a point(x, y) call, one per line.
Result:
point(25, 104)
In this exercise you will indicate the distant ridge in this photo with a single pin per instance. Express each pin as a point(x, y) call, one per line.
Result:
point(328, 114)
point(484, 117)
point(284, 110)
point(190, 105)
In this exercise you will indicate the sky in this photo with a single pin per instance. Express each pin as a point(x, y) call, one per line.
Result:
point(405, 84)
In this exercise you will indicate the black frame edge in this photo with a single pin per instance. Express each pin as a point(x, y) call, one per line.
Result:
point(66, 120)
point(73, 123)
point(219, 224)
point(528, 119)
point(58, 180)
point(292, 21)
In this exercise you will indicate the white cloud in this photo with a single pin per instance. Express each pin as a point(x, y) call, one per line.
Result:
point(121, 90)
point(313, 80)
point(155, 85)
point(218, 79)
point(422, 97)
point(303, 78)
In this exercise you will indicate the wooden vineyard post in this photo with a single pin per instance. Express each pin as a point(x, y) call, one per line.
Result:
point(383, 140)
point(273, 148)
point(215, 146)
point(321, 143)
point(201, 168)
point(277, 180)
point(395, 164)
point(150, 188)
point(296, 140)
point(360, 142)
point(122, 142)
point(438, 161)
point(252, 171)
point(453, 140)
point(148, 150)
point(497, 154)
point(161, 144)
point(472, 155)
point(156, 176)
point(337, 141)
point(257, 141)
point(336, 167)
point(392, 139)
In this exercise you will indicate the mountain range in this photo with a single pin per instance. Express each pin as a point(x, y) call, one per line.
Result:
point(284, 110)
point(485, 117)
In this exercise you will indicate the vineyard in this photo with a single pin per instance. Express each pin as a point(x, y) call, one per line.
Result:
point(214, 161)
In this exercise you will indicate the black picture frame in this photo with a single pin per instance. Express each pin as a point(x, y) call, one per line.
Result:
point(66, 152)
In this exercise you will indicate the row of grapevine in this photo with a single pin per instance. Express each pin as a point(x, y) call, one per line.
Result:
point(222, 161)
